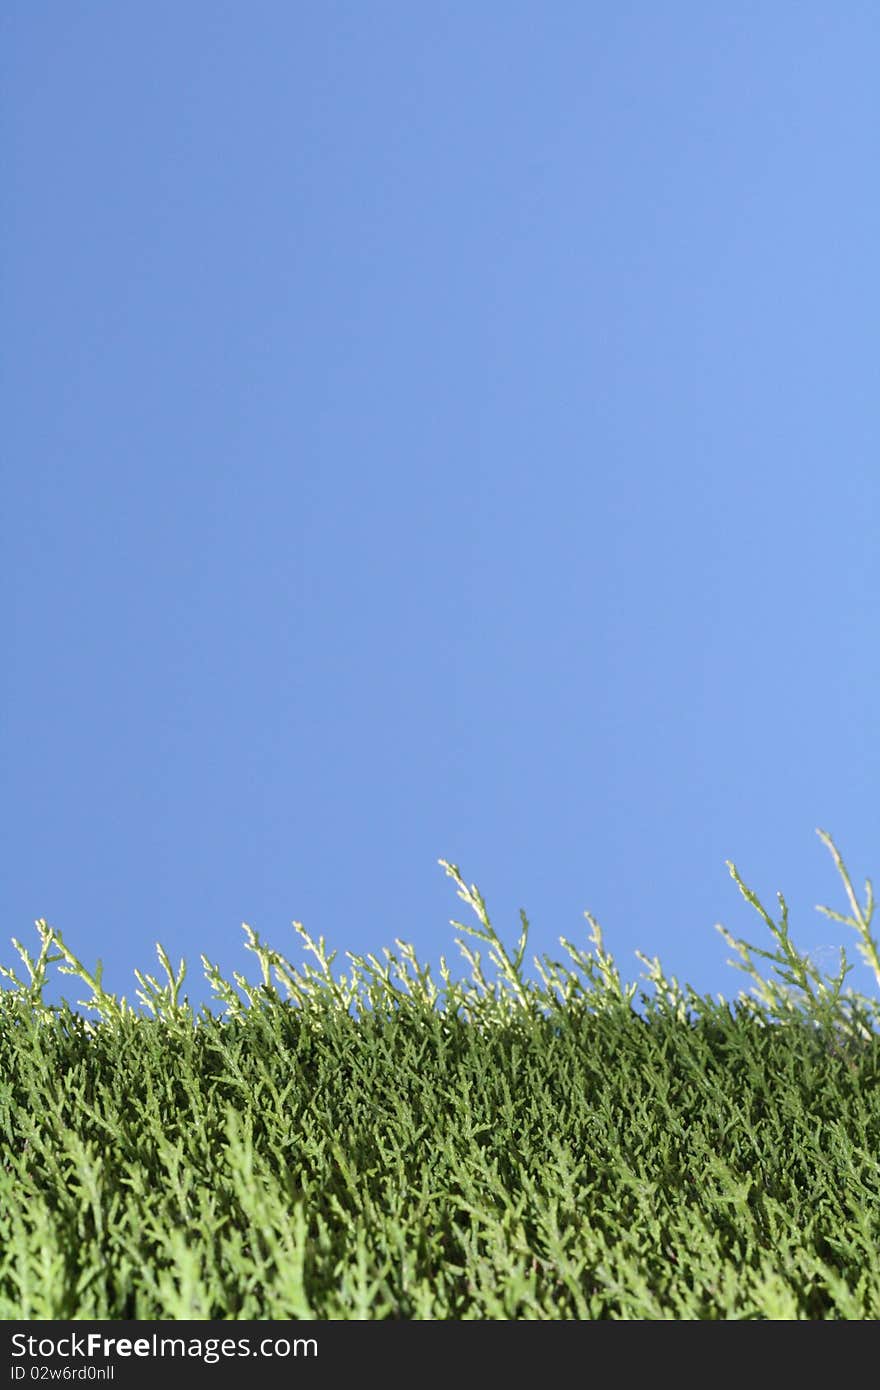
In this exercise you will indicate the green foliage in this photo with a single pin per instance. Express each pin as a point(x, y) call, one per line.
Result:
point(378, 1144)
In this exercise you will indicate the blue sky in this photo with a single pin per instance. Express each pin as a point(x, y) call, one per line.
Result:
point(437, 430)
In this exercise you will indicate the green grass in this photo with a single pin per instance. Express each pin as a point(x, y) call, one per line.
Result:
point(375, 1143)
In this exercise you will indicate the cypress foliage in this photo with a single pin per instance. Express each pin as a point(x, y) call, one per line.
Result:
point(375, 1145)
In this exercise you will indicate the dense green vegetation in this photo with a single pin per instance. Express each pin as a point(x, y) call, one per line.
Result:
point(375, 1144)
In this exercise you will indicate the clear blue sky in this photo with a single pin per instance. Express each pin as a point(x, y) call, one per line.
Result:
point(437, 429)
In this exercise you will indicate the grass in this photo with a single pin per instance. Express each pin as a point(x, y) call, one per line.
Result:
point(378, 1143)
